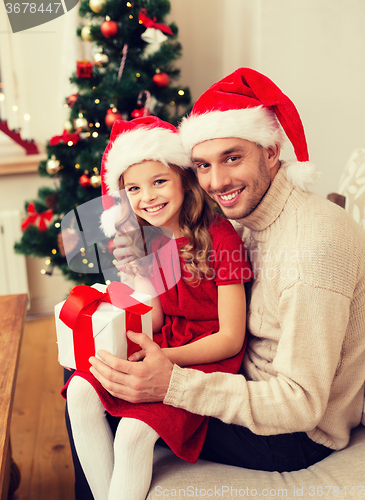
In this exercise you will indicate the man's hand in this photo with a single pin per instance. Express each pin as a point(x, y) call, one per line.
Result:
point(137, 382)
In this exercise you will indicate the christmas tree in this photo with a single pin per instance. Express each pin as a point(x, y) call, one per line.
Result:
point(131, 75)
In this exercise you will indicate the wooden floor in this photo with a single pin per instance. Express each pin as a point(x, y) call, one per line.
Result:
point(38, 433)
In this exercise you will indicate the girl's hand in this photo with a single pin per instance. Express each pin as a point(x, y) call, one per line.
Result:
point(123, 251)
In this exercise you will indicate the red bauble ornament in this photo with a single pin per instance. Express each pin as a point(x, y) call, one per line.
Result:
point(72, 99)
point(161, 79)
point(112, 115)
point(109, 29)
point(138, 113)
point(84, 181)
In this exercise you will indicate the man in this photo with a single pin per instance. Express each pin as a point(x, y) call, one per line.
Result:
point(301, 390)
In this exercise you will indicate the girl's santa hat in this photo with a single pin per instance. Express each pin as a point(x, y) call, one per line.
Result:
point(131, 142)
point(248, 105)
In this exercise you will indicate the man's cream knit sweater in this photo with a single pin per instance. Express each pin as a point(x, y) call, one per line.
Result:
point(304, 369)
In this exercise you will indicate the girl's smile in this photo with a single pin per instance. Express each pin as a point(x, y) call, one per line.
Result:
point(155, 208)
point(156, 194)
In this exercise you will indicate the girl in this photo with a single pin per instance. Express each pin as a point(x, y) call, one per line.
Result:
point(199, 322)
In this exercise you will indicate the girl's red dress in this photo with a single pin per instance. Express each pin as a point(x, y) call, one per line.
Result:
point(191, 312)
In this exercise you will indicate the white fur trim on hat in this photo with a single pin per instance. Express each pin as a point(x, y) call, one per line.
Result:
point(136, 146)
point(302, 175)
point(258, 125)
point(108, 220)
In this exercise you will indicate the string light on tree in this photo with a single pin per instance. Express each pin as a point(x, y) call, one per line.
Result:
point(95, 181)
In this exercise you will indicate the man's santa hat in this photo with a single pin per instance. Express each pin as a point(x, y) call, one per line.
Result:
point(131, 142)
point(248, 105)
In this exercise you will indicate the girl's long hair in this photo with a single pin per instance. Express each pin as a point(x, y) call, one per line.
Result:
point(196, 215)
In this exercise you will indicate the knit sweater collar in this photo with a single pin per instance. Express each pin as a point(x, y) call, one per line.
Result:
point(271, 205)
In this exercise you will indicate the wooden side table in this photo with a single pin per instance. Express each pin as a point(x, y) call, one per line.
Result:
point(12, 312)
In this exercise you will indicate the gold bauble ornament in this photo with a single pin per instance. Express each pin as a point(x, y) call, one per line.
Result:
point(68, 126)
point(53, 165)
point(86, 34)
point(95, 181)
point(96, 5)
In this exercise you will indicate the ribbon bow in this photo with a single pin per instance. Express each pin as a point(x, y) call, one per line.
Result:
point(79, 307)
point(151, 23)
point(37, 219)
point(65, 137)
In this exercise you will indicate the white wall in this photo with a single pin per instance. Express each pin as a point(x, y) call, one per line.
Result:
point(313, 49)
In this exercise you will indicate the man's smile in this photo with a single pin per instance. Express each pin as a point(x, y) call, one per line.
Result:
point(230, 198)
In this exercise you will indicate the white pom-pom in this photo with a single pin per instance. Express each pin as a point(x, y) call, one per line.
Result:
point(302, 174)
point(108, 219)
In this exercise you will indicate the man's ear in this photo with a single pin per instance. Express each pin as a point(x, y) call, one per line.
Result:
point(272, 154)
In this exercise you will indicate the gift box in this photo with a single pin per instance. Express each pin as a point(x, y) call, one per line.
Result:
point(97, 317)
point(84, 69)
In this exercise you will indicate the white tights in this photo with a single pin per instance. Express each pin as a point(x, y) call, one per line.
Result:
point(119, 472)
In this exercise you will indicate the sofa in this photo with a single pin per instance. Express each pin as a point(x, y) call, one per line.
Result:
point(340, 475)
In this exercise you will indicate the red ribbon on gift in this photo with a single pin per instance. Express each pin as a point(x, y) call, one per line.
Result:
point(37, 219)
point(151, 23)
point(79, 307)
point(65, 137)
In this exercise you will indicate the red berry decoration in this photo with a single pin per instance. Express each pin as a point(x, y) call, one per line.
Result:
point(111, 246)
point(112, 115)
point(84, 181)
point(109, 29)
point(161, 79)
point(138, 113)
